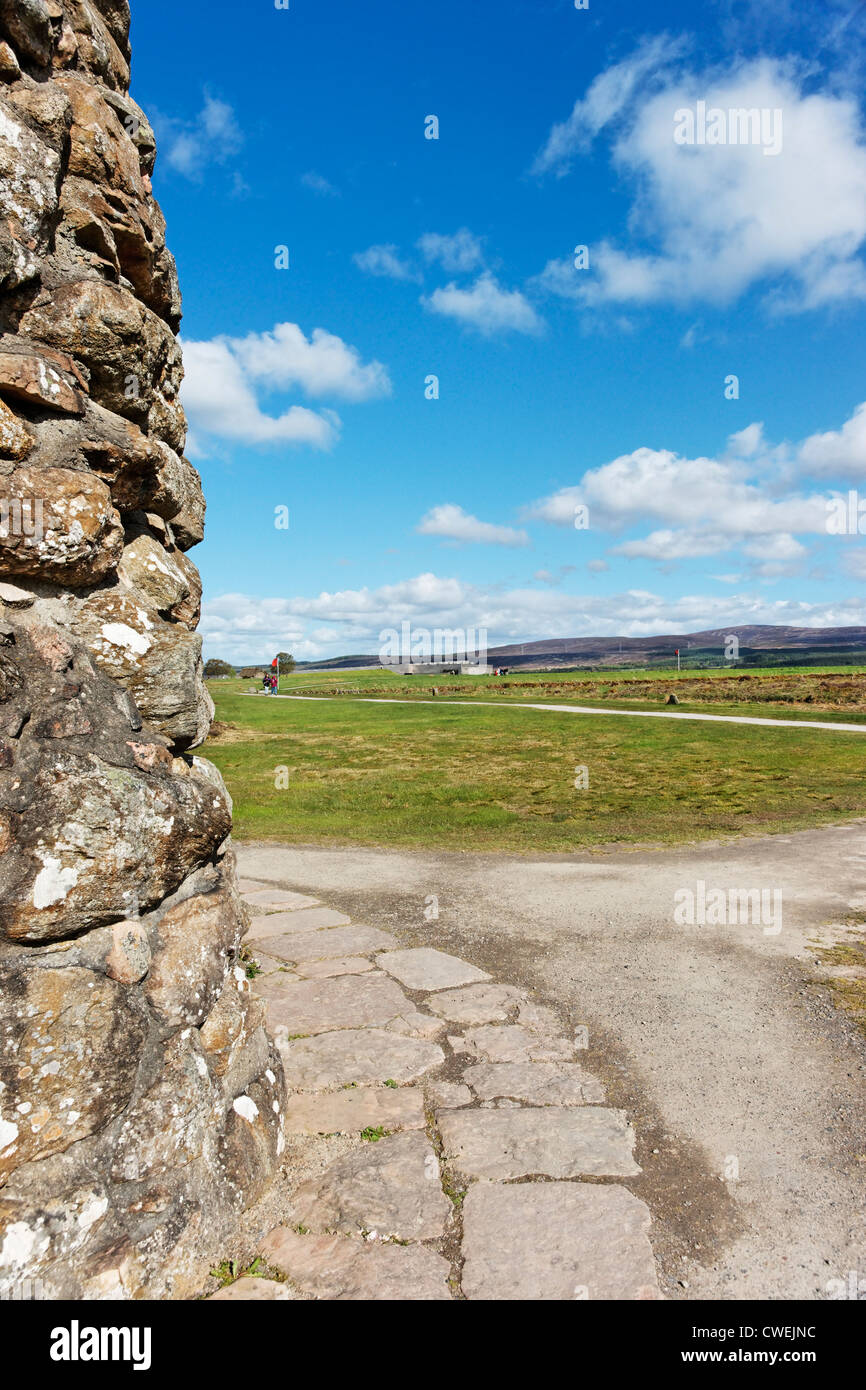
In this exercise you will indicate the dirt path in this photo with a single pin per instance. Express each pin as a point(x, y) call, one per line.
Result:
point(742, 1079)
point(591, 709)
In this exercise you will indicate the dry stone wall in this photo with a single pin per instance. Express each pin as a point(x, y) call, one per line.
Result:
point(141, 1101)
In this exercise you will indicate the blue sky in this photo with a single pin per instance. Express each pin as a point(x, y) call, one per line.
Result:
point(601, 387)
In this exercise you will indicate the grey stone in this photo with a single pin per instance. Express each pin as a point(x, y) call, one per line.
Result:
point(350, 1111)
point(323, 945)
point(556, 1142)
point(252, 1290)
point(512, 1043)
point(13, 596)
point(340, 1269)
point(448, 1095)
point(359, 1055)
point(536, 1083)
point(539, 1018)
point(306, 919)
point(390, 1187)
point(428, 969)
point(274, 984)
point(476, 1003)
point(280, 900)
point(342, 965)
point(414, 1024)
point(321, 1006)
point(556, 1240)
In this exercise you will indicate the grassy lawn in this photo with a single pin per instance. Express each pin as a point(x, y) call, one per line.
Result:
point(438, 775)
point(825, 693)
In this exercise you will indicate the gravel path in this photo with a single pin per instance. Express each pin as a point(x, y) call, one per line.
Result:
point(590, 709)
point(740, 1079)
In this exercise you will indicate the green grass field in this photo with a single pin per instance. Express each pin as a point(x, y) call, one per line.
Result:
point(473, 778)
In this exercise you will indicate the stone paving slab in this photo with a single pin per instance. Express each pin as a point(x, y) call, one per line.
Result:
point(535, 1083)
point(307, 919)
point(337, 941)
point(551, 1141)
point(413, 1024)
point(342, 1269)
point(513, 1043)
point(250, 885)
point(274, 985)
point(252, 1290)
point(423, 968)
point(268, 963)
point(448, 1095)
point(277, 899)
point(350, 1111)
point(556, 1241)
point(390, 1187)
point(487, 1003)
point(325, 969)
point(323, 1006)
point(360, 1055)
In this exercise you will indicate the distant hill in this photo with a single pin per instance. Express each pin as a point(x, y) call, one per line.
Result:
point(760, 644)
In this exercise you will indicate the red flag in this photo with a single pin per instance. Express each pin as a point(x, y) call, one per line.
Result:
point(676, 651)
point(275, 663)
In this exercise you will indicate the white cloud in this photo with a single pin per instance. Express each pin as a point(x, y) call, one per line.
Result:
point(385, 261)
point(718, 219)
point(452, 522)
point(674, 545)
point(608, 96)
point(219, 393)
point(837, 453)
point(242, 627)
point(457, 254)
point(220, 402)
point(486, 306)
point(321, 365)
point(743, 499)
point(317, 183)
point(699, 493)
point(211, 137)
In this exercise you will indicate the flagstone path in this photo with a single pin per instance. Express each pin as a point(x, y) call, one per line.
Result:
point(482, 1161)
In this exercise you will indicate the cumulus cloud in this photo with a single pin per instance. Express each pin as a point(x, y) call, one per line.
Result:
point(754, 497)
point(190, 146)
point(837, 453)
point(385, 262)
point(697, 493)
point(607, 98)
point(452, 523)
point(486, 307)
point(457, 254)
point(710, 221)
point(321, 365)
point(242, 627)
point(219, 390)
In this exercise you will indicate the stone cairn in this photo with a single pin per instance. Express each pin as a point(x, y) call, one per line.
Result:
point(141, 1100)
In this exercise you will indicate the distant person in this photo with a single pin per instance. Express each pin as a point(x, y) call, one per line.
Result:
point(266, 683)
